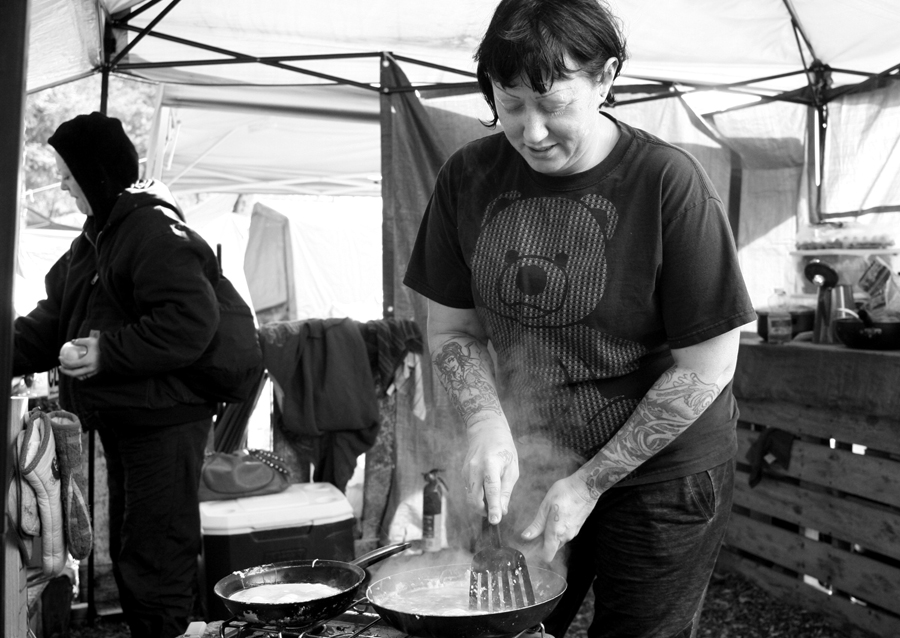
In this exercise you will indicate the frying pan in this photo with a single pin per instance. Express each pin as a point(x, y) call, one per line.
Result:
point(346, 577)
point(386, 595)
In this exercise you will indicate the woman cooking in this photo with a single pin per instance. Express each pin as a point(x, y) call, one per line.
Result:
point(597, 261)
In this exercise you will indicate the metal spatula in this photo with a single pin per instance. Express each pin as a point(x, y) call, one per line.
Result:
point(499, 576)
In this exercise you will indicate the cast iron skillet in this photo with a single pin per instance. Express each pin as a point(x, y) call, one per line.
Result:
point(386, 596)
point(347, 577)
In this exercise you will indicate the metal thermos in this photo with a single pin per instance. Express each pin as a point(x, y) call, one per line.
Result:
point(826, 279)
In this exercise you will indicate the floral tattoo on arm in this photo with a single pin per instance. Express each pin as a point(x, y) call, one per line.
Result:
point(465, 371)
point(674, 402)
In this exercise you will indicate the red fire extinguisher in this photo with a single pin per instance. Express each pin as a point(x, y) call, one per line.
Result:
point(435, 488)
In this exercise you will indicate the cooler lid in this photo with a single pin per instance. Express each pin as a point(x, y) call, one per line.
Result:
point(299, 505)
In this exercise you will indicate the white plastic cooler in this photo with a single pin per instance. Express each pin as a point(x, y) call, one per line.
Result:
point(306, 521)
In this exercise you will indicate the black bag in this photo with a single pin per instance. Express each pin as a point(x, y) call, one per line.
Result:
point(228, 475)
point(229, 370)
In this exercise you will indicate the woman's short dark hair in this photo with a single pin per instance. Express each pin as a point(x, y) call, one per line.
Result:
point(531, 39)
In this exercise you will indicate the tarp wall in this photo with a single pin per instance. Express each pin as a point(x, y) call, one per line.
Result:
point(771, 142)
point(862, 157)
point(315, 258)
point(412, 151)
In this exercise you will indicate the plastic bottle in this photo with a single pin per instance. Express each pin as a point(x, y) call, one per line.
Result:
point(779, 320)
point(431, 511)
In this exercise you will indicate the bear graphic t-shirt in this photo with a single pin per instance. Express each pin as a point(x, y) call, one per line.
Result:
point(583, 282)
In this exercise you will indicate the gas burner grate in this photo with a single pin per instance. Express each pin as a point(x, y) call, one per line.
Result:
point(347, 625)
point(350, 624)
point(234, 628)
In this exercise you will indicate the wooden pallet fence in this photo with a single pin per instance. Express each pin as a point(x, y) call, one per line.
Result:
point(825, 531)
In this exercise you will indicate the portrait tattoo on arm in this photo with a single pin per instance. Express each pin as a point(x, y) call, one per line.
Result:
point(465, 372)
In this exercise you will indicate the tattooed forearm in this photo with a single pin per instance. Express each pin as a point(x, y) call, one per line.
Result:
point(668, 409)
point(466, 372)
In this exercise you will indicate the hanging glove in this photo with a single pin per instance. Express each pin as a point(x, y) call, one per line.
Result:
point(37, 459)
point(76, 515)
point(771, 446)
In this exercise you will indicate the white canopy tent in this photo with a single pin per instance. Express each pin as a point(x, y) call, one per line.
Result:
point(284, 96)
point(763, 47)
point(281, 96)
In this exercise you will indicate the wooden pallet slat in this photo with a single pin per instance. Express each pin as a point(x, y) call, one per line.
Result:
point(880, 433)
point(875, 529)
point(852, 573)
point(870, 477)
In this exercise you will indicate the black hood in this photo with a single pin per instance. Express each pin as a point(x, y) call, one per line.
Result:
point(101, 158)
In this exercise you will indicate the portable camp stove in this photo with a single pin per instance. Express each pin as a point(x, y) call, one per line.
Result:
point(350, 624)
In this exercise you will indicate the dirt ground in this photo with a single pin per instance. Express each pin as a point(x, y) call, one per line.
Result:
point(735, 608)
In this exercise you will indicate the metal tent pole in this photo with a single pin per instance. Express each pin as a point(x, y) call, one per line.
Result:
point(109, 46)
point(13, 68)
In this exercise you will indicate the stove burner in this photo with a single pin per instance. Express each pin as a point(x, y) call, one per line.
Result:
point(351, 624)
point(355, 623)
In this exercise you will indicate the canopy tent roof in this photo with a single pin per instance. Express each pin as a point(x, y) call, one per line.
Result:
point(245, 86)
point(763, 47)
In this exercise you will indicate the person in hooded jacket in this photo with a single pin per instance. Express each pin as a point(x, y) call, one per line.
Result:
point(135, 295)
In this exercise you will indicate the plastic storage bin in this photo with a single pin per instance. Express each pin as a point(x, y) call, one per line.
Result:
point(306, 521)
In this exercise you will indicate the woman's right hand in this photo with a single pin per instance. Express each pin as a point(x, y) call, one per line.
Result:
point(491, 467)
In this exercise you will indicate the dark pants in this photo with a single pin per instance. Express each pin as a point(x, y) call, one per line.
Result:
point(154, 521)
point(648, 551)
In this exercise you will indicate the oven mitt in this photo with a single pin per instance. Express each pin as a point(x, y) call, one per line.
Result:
point(76, 515)
point(37, 461)
point(22, 506)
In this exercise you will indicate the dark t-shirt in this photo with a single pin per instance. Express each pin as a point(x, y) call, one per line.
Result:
point(583, 282)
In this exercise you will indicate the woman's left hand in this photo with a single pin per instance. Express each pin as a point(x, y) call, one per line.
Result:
point(565, 508)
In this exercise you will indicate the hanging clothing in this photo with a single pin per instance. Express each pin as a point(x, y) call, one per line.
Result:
point(328, 407)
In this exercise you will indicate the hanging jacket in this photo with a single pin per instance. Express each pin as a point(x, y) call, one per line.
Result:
point(328, 407)
point(145, 281)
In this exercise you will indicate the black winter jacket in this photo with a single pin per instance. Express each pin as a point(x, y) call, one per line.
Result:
point(145, 281)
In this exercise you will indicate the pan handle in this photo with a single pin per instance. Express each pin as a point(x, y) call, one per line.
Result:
point(380, 554)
